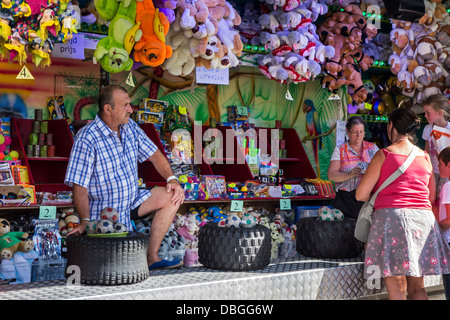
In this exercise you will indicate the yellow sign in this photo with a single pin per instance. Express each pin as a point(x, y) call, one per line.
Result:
point(25, 74)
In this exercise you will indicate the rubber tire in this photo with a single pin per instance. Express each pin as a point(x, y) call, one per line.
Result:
point(109, 261)
point(327, 239)
point(234, 249)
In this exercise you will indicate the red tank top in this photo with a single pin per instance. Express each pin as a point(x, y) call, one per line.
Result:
point(410, 190)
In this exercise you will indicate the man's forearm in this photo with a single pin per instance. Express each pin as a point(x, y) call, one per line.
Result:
point(81, 201)
point(161, 164)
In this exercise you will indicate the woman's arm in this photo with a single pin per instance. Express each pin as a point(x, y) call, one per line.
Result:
point(335, 175)
point(370, 178)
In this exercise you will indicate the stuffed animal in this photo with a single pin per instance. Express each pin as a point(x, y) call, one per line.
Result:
point(111, 52)
point(151, 49)
point(12, 242)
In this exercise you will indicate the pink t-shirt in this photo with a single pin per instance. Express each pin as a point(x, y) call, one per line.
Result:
point(410, 190)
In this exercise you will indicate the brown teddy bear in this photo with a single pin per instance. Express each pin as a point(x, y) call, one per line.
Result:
point(12, 242)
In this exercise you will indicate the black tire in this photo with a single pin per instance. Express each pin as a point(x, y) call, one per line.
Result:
point(109, 261)
point(327, 239)
point(234, 249)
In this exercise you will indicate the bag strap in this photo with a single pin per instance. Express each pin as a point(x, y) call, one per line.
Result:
point(396, 174)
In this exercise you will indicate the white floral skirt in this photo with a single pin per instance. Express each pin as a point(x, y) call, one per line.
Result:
point(405, 242)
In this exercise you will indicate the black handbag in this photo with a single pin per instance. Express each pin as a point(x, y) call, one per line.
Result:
point(346, 202)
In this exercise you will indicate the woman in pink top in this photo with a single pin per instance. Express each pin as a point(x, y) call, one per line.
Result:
point(405, 242)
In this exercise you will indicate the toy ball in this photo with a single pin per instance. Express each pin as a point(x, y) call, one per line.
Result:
point(110, 214)
point(325, 214)
point(7, 158)
point(104, 226)
point(14, 154)
point(233, 221)
point(338, 215)
point(90, 227)
point(221, 223)
point(119, 227)
point(2, 139)
point(248, 221)
point(7, 140)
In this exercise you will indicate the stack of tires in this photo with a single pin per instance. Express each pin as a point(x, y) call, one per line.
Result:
point(234, 249)
point(108, 260)
point(327, 239)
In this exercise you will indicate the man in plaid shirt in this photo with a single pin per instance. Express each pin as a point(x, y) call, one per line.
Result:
point(103, 173)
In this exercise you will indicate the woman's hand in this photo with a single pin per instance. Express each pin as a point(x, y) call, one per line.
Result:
point(355, 172)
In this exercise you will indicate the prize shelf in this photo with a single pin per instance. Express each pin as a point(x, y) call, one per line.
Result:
point(46, 174)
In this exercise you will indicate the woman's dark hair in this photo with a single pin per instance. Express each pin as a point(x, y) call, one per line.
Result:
point(353, 121)
point(405, 122)
point(106, 96)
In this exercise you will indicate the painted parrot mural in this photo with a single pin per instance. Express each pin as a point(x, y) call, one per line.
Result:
point(313, 129)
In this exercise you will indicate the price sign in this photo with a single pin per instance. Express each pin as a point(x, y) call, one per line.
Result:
point(237, 205)
point(25, 74)
point(285, 204)
point(47, 212)
point(242, 111)
point(129, 80)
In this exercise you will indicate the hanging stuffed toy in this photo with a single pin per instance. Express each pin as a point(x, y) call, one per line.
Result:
point(111, 52)
point(151, 49)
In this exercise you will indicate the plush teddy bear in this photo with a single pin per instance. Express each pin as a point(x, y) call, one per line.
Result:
point(151, 49)
point(12, 242)
point(110, 51)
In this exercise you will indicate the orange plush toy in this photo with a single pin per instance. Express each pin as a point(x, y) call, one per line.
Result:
point(151, 49)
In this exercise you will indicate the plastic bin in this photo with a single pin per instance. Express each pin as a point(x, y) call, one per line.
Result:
point(305, 212)
point(46, 270)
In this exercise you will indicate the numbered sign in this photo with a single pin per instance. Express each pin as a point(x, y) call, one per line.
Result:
point(47, 212)
point(237, 205)
point(129, 80)
point(25, 74)
point(285, 204)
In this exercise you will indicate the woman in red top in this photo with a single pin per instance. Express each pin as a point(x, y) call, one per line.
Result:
point(405, 242)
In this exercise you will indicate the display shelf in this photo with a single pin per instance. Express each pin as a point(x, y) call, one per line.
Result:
point(296, 163)
point(46, 173)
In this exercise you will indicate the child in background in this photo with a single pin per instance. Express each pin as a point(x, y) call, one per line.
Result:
point(444, 208)
point(437, 113)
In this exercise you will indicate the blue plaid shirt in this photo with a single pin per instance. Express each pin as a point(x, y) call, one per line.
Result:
point(107, 167)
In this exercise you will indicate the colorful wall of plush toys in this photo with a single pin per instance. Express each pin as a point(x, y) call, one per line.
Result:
point(295, 41)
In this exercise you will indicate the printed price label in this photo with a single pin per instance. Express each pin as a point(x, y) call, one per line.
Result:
point(285, 204)
point(47, 212)
point(237, 205)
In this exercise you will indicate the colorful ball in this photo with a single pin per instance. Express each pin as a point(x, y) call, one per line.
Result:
point(119, 227)
point(325, 214)
point(248, 221)
point(7, 140)
point(2, 139)
point(105, 226)
point(90, 227)
point(110, 214)
point(233, 221)
point(14, 154)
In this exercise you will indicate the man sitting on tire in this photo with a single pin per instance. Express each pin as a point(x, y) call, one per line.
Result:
point(103, 172)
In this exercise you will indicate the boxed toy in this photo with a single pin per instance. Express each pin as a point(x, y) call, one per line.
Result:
point(216, 186)
point(235, 113)
point(15, 195)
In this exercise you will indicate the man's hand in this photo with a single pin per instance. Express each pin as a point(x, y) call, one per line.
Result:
point(80, 229)
point(178, 192)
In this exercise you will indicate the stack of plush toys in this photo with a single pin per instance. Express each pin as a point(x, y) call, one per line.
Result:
point(421, 53)
point(287, 30)
point(203, 34)
point(33, 27)
point(346, 31)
